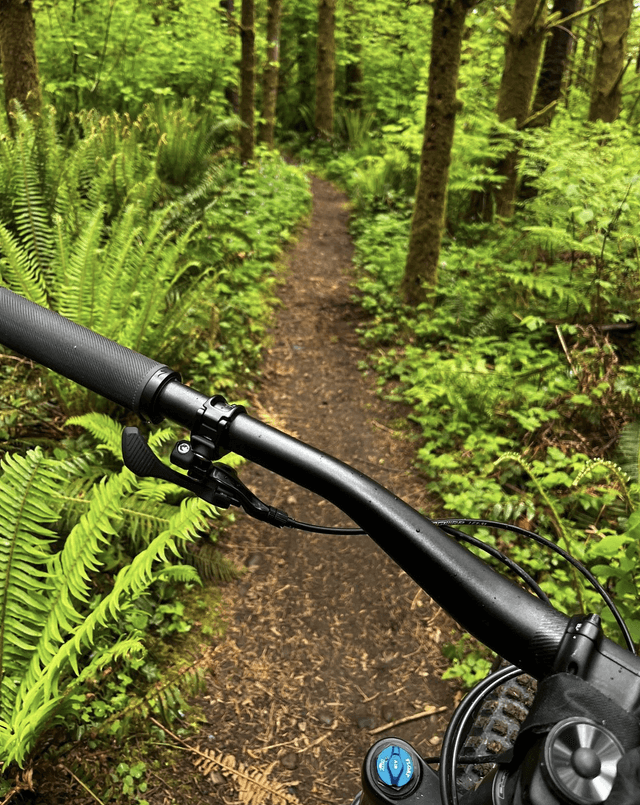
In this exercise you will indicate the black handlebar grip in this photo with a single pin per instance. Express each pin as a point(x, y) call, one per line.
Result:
point(95, 362)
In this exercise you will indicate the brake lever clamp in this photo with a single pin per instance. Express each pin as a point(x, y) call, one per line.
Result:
point(217, 484)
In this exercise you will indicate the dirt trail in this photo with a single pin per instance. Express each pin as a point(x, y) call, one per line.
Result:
point(327, 639)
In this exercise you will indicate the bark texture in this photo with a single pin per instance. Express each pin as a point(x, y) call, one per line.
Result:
point(18, 56)
point(326, 67)
point(247, 81)
point(522, 58)
point(271, 72)
point(555, 60)
point(427, 225)
point(354, 74)
point(610, 61)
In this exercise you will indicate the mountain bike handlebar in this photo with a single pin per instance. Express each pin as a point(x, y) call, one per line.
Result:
point(498, 612)
point(91, 360)
point(519, 627)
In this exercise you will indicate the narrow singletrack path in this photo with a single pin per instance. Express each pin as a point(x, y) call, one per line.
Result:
point(326, 638)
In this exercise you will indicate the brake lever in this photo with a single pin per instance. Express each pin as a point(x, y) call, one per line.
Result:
point(219, 486)
point(143, 462)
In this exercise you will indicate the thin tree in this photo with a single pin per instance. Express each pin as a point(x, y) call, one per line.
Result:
point(247, 81)
point(354, 73)
point(522, 59)
point(231, 90)
point(271, 72)
point(326, 67)
point(427, 224)
point(557, 51)
point(611, 58)
point(18, 56)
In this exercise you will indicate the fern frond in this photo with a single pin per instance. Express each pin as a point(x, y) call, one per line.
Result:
point(620, 477)
point(105, 430)
point(19, 270)
point(185, 574)
point(253, 786)
point(211, 563)
point(162, 272)
point(32, 220)
point(76, 297)
point(69, 580)
point(116, 266)
point(629, 449)
point(27, 486)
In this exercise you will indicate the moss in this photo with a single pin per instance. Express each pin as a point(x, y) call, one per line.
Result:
point(326, 73)
point(606, 89)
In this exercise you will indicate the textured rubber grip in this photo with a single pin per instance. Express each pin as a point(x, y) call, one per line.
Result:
point(93, 361)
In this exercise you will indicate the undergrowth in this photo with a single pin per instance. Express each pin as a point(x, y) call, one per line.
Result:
point(526, 349)
point(176, 258)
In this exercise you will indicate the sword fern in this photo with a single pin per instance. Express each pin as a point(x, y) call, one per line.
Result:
point(51, 625)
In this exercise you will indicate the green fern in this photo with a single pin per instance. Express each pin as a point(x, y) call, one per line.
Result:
point(50, 622)
point(31, 215)
point(629, 449)
point(19, 269)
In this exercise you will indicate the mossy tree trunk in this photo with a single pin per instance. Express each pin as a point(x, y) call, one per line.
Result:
point(326, 68)
point(18, 56)
point(354, 74)
point(427, 224)
point(522, 59)
point(610, 61)
point(555, 60)
point(247, 81)
point(271, 72)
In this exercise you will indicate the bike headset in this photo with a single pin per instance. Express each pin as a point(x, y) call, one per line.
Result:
point(589, 685)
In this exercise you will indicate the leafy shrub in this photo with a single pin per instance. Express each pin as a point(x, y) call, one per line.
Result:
point(111, 57)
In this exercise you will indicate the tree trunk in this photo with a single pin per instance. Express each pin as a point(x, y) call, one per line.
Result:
point(18, 56)
point(326, 68)
point(610, 61)
point(585, 69)
point(354, 74)
point(271, 71)
point(522, 57)
point(306, 47)
point(231, 90)
point(427, 224)
point(247, 82)
point(554, 62)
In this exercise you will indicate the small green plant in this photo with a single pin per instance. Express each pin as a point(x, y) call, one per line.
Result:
point(470, 661)
point(133, 780)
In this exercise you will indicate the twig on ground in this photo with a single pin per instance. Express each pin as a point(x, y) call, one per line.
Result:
point(424, 714)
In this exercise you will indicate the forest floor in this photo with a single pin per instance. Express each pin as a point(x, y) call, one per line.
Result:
point(326, 639)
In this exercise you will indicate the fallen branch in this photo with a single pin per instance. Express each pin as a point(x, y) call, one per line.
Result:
point(424, 714)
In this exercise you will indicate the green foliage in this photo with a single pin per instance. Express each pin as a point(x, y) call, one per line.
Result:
point(469, 661)
point(53, 622)
point(187, 141)
point(513, 353)
point(109, 56)
point(83, 233)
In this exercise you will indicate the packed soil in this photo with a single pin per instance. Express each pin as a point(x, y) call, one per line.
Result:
point(327, 644)
point(327, 640)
